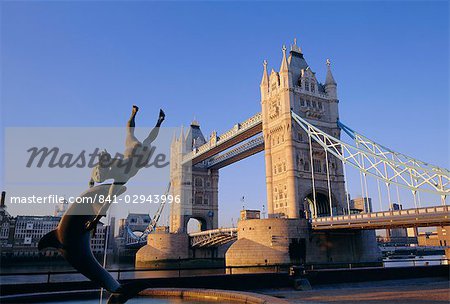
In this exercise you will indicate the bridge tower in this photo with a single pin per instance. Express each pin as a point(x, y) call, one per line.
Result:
point(197, 186)
point(289, 163)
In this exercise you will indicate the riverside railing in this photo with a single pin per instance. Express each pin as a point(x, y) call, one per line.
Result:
point(143, 273)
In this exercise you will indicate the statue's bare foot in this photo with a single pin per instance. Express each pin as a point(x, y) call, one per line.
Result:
point(162, 115)
point(135, 109)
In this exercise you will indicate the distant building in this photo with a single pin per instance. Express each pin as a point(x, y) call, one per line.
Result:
point(7, 224)
point(361, 205)
point(440, 237)
point(399, 235)
point(30, 229)
point(250, 214)
point(60, 209)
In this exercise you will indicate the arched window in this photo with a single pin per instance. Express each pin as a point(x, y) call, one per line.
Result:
point(306, 166)
point(306, 85)
point(199, 182)
point(198, 200)
point(313, 87)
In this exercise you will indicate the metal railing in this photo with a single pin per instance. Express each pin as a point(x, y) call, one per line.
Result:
point(178, 271)
point(138, 273)
point(381, 214)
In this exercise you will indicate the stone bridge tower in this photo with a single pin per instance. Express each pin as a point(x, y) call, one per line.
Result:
point(197, 186)
point(287, 154)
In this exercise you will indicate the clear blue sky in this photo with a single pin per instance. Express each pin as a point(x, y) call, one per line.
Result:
point(79, 63)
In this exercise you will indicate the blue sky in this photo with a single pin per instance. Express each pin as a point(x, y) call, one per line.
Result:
point(85, 63)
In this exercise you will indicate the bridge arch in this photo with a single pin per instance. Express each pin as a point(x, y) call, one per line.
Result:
point(322, 203)
point(196, 220)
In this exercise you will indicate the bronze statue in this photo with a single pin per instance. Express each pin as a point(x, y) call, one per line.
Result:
point(72, 236)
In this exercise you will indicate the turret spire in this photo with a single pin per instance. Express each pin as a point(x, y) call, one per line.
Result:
point(265, 77)
point(295, 48)
point(284, 64)
point(330, 83)
point(329, 79)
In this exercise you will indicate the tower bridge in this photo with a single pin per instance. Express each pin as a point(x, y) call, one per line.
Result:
point(307, 192)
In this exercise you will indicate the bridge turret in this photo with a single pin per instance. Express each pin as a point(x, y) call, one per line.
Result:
point(285, 73)
point(264, 82)
point(330, 83)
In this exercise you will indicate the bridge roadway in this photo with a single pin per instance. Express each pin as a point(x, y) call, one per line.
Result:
point(212, 238)
point(416, 217)
point(239, 133)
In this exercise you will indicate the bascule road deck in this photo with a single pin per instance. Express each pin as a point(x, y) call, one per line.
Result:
point(417, 217)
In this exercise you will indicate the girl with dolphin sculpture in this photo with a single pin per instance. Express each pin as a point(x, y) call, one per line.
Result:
point(72, 236)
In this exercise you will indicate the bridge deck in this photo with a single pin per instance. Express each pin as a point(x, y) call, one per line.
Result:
point(417, 217)
point(238, 134)
point(211, 238)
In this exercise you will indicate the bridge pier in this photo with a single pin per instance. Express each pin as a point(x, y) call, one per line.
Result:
point(163, 246)
point(292, 241)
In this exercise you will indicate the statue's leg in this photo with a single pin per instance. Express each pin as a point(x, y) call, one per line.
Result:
point(131, 141)
point(154, 132)
point(131, 124)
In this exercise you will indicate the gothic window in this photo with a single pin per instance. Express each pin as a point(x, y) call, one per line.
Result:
point(199, 182)
point(308, 103)
point(320, 105)
point(306, 166)
point(302, 102)
point(306, 85)
point(205, 200)
point(314, 104)
point(198, 200)
point(313, 87)
point(284, 166)
point(208, 184)
point(317, 166)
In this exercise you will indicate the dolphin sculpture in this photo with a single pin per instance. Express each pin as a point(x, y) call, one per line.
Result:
point(72, 236)
point(73, 239)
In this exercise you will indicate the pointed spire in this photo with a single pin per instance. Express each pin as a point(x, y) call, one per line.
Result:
point(174, 137)
point(181, 138)
point(284, 64)
point(265, 78)
point(329, 79)
point(295, 48)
